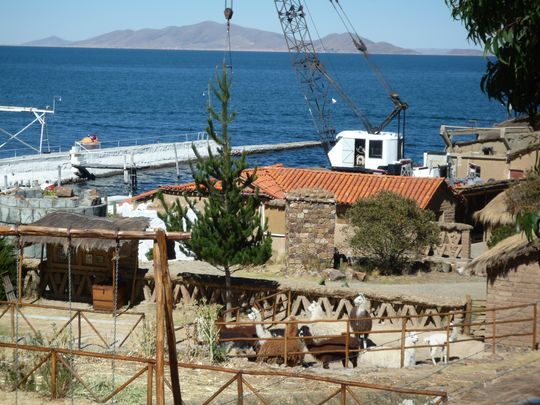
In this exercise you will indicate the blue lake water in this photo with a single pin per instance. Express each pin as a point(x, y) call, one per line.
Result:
point(145, 94)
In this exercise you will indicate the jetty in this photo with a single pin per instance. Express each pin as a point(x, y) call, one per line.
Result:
point(78, 164)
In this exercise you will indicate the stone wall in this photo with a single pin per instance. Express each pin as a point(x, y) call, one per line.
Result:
point(310, 227)
point(26, 206)
point(520, 285)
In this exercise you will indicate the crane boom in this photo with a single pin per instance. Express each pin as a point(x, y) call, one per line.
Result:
point(315, 78)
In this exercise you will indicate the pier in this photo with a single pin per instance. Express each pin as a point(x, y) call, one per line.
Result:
point(66, 167)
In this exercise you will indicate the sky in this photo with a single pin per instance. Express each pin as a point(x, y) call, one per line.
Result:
point(406, 23)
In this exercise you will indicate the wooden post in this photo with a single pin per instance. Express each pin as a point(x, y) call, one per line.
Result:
point(468, 316)
point(347, 337)
point(149, 384)
point(535, 320)
point(240, 387)
point(343, 396)
point(285, 341)
point(53, 374)
point(274, 306)
point(402, 343)
point(19, 273)
point(133, 287)
point(448, 339)
point(79, 327)
point(169, 324)
point(12, 319)
point(289, 303)
point(160, 323)
point(494, 330)
point(176, 163)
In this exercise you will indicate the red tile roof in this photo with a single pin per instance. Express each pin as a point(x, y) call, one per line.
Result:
point(275, 181)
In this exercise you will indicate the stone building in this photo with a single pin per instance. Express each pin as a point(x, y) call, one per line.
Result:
point(513, 272)
point(275, 183)
point(25, 206)
point(310, 217)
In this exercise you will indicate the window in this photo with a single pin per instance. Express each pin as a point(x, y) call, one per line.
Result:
point(375, 149)
point(88, 258)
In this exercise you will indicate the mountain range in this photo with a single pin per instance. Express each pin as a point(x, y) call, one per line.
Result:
point(210, 35)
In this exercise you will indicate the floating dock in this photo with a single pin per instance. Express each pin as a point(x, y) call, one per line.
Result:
point(48, 168)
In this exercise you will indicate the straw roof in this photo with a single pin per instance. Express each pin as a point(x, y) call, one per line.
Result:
point(76, 221)
point(505, 256)
point(496, 212)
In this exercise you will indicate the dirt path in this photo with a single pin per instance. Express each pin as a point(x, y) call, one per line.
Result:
point(448, 289)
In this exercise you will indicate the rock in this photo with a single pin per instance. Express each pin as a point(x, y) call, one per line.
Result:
point(444, 267)
point(355, 274)
point(333, 274)
point(64, 192)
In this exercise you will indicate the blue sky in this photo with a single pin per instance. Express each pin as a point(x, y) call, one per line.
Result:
point(406, 23)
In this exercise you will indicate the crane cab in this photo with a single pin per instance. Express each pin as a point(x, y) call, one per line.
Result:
point(364, 152)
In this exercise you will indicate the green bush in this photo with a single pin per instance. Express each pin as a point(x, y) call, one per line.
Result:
point(8, 263)
point(499, 234)
point(391, 231)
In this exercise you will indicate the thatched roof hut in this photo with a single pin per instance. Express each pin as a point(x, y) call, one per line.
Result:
point(506, 255)
point(77, 221)
point(496, 212)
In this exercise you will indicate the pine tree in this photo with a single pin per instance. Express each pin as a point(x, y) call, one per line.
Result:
point(228, 231)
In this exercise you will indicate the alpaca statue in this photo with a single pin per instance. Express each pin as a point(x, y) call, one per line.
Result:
point(438, 341)
point(360, 319)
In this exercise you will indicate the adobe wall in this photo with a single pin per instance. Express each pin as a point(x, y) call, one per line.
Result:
point(310, 227)
point(519, 286)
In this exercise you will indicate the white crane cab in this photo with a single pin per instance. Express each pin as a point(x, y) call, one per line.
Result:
point(361, 151)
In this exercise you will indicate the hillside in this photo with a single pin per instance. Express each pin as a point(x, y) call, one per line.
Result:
point(210, 35)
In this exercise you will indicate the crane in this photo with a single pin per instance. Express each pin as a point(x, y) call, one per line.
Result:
point(369, 150)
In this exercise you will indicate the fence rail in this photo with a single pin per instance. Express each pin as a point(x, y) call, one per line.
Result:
point(494, 339)
point(79, 315)
point(59, 356)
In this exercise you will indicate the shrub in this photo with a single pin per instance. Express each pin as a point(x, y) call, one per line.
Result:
point(8, 263)
point(499, 234)
point(208, 332)
point(391, 230)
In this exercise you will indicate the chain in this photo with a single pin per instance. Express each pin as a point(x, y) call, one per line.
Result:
point(228, 16)
point(17, 364)
point(70, 298)
point(115, 309)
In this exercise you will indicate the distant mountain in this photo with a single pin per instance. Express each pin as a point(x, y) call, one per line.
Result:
point(465, 52)
point(210, 35)
point(450, 52)
point(203, 36)
point(49, 41)
point(341, 43)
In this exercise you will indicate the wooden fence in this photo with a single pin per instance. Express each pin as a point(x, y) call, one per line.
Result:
point(78, 316)
point(529, 328)
point(59, 357)
point(283, 304)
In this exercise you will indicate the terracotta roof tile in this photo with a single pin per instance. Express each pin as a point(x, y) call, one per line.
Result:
point(275, 181)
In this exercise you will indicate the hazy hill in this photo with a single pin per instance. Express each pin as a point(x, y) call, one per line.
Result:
point(49, 41)
point(210, 35)
point(342, 43)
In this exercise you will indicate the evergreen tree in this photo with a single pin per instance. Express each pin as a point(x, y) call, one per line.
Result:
point(228, 231)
